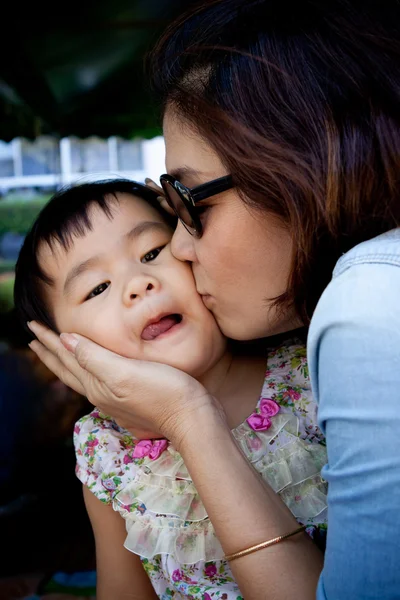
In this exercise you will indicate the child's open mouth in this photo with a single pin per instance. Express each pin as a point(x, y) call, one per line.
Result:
point(157, 328)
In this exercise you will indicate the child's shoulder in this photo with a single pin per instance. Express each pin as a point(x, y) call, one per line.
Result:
point(101, 433)
point(99, 423)
point(287, 384)
point(281, 438)
point(105, 455)
point(287, 378)
point(290, 359)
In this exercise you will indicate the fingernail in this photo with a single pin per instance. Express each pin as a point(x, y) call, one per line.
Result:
point(147, 180)
point(69, 341)
point(28, 324)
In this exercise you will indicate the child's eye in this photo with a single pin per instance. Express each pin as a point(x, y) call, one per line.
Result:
point(151, 255)
point(98, 290)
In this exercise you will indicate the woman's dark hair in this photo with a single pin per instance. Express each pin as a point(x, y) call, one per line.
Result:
point(65, 217)
point(301, 101)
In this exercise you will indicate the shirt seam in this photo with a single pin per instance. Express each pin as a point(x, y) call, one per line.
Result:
point(388, 259)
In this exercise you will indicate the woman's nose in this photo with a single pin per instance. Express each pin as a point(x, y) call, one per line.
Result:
point(182, 244)
point(139, 287)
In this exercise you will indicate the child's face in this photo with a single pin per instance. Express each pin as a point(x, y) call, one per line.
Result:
point(120, 286)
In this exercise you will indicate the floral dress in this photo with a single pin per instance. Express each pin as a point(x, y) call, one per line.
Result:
point(148, 484)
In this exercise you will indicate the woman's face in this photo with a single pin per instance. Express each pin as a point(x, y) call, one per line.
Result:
point(243, 259)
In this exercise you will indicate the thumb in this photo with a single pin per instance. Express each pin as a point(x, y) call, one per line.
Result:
point(104, 365)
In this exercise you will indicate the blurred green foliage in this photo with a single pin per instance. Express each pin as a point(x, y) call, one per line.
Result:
point(18, 214)
point(6, 294)
point(6, 266)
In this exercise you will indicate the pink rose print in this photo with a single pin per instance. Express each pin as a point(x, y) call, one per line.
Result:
point(210, 571)
point(177, 575)
point(207, 596)
point(290, 395)
point(268, 407)
point(90, 446)
point(128, 459)
point(255, 444)
point(258, 422)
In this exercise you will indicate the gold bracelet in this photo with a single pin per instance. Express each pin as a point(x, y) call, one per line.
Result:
point(246, 551)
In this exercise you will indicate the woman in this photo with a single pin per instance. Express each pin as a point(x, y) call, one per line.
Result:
point(297, 108)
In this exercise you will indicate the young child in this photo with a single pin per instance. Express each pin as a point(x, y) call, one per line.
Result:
point(98, 262)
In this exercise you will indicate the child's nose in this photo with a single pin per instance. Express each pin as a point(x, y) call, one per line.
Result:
point(139, 287)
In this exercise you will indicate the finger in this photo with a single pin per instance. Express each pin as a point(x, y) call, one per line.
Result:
point(46, 336)
point(56, 367)
point(63, 360)
point(115, 372)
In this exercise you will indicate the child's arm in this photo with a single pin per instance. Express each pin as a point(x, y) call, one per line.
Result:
point(120, 573)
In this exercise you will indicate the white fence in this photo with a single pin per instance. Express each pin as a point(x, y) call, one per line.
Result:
point(49, 162)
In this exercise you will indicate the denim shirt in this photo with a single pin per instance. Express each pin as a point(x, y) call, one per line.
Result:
point(354, 357)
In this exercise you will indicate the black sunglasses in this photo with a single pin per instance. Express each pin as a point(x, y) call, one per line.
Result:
point(183, 200)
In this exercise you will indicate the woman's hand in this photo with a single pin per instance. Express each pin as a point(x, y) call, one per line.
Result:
point(149, 399)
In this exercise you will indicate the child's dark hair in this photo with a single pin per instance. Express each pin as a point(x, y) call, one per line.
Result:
point(64, 217)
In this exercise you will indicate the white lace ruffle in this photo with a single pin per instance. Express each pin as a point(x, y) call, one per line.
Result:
point(188, 543)
point(164, 513)
point(163, 495)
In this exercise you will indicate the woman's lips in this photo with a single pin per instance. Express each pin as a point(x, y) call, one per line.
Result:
point(157, 328)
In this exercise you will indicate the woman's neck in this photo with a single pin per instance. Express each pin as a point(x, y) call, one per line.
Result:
point(236, 382)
